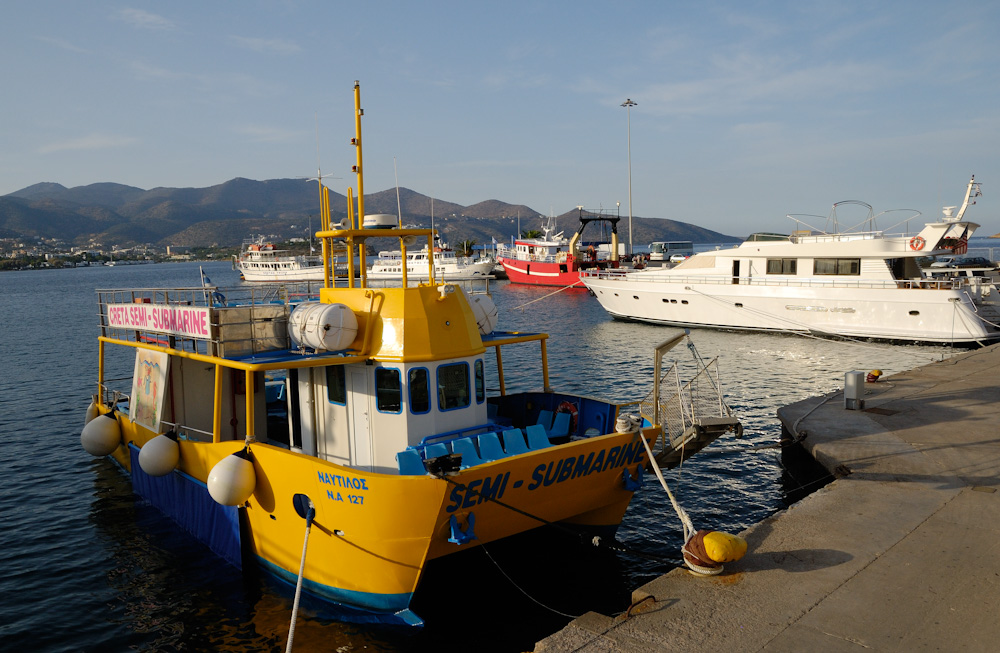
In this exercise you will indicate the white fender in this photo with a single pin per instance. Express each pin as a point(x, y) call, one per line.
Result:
point(232, 480)
point(92, 411)
point(101, 435)
point(160, 456)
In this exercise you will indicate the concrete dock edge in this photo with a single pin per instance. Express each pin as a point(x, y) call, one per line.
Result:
point(901, 552)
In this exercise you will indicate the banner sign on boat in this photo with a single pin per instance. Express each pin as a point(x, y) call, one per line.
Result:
point(185, 321)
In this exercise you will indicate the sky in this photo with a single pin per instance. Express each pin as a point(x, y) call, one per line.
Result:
point(744, 111)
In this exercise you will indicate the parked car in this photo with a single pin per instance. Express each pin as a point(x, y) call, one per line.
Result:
point(944, 262)
point(677, 258)
point(973, 262)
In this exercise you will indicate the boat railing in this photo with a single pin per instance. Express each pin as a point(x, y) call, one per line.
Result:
point(683, 405)
point(812, 282)
point(239, 322)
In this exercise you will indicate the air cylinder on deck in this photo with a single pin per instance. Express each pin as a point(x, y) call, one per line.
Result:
point(331, 327)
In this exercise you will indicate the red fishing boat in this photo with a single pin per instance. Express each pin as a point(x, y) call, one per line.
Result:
point(553, 260)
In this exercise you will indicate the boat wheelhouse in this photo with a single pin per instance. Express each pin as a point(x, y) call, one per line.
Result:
point(858, 282)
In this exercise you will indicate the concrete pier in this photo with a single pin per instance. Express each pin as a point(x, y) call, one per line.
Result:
point(900, 553)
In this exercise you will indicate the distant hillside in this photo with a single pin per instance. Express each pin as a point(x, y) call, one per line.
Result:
point(114, 214)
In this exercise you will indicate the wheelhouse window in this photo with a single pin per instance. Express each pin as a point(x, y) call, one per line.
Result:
point(388, 393)
point(781, 265)
point(480, 383)
point(420, 394)
point(837, 266)
point(453, 386)
point(336, 384)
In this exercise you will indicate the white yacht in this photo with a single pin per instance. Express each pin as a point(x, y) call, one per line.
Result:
point(857, 282)
point(447, 265)
point(261, 261)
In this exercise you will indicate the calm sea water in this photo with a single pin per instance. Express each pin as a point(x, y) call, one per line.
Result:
point(89, 567)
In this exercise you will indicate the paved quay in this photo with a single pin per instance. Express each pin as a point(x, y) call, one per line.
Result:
point(901, 552)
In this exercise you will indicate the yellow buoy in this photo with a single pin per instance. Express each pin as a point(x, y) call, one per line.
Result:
point(101, 435)
point(705, 551)
point(723, 547)
point(232, 480)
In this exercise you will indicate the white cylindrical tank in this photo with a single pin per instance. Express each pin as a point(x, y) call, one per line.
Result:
point(323, 326)
point(486, 313)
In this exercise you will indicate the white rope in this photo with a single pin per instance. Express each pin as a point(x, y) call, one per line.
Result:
point(572, 285)
point(689, 529)
point(298, 589)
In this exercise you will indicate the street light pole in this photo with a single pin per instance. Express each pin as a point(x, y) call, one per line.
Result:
point(628, 104)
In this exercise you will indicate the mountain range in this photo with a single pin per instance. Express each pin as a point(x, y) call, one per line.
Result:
point(226, 214)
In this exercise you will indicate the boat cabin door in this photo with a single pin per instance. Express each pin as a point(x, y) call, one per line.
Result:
point(736, 271)
point(360, 419)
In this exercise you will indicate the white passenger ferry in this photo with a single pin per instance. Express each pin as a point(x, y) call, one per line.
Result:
point(858, 282)
point(448, 266)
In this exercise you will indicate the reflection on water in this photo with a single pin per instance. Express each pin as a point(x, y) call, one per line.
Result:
point(76, 537)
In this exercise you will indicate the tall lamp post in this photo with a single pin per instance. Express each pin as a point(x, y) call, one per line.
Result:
point(628, 104)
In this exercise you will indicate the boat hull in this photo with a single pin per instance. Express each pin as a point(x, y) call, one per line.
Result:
point(373, 533)
point(539, 273)
point(908, 314)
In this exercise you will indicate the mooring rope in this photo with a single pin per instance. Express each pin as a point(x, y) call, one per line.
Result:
point(298, 583)
point(572, 285)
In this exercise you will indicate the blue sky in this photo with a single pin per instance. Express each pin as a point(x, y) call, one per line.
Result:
point(746, 111)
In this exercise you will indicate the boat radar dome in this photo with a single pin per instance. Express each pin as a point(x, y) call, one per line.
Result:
point(160, 456)
point(100, 437)
point(949, 213)
point(232, 480)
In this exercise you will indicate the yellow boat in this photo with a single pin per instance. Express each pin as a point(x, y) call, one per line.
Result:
point(385, 443)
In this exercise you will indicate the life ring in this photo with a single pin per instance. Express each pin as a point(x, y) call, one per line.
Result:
point(574, 414)
point(917, 243)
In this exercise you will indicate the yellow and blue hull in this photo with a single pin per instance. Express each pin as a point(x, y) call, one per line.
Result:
point(373, 533)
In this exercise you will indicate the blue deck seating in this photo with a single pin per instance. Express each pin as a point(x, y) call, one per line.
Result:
point(513, 442)
point(436, 449)
point(560, 427)
point(466, 447)
point(545, 419)
point(410, 463)
point(537, 439)
point(489, 447)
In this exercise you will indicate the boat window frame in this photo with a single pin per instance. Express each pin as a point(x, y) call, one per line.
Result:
point(479, 379)
point(854, 267)
point(410, 387)
point(443, 398)
point(379, 391)
point(342, 381)
point(786, 266)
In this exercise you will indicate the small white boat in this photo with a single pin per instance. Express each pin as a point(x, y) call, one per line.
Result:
point(857, 283)
point(447, 265)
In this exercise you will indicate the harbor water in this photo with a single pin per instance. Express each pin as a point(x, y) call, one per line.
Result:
point(90, 567)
